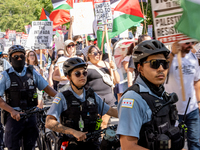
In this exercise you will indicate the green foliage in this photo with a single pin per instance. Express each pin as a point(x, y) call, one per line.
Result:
point(15, 14)
point(148, 14)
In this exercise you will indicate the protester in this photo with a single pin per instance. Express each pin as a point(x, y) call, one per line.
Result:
point(31, 59)
point(19, 84)
point(191, 78)
point(77, 108)
point(69, 52)
point(140, 125)
point(99, 78)
point(90, 39)
point(53, 83)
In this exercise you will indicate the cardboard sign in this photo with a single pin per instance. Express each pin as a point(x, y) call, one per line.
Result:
point(83, 18)
point(41, 34)
point(103, 12)
point(165, 15)
point(139, 31)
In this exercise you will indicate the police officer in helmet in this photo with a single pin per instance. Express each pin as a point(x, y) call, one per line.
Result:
point(147, 113)
point(77, 108)
point(19, 84)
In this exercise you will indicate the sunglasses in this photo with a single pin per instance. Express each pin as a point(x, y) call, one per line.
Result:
point(79, 42)
point(96, 53)
point(155, 63)
point(70, 46)
point(60, 55)
point(17, 56)
point(78, 73)
point(189, 43)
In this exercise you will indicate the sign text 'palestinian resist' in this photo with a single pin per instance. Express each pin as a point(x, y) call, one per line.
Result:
point(166, 13)
point(42, 34)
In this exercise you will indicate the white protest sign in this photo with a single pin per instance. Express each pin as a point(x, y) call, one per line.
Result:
point(103, 12)
point(124, 34)
point(139, 31)
point(24, 39)
point(8, 44)
point(42, 34)
point(83, 18)
point(109, 27)
point(165, 15)
point(150, 30)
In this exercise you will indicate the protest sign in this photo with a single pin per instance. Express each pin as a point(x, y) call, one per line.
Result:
point(150, 30)
point(24, 39)
point(103, 12)
point(139, 31)
point(11, 35)
point(109, 27)
point(8, 44)
point(28, 28)
point(124, 34)
point(41, 34)
point(2, 34)
point(165, 15)
point(83, 18)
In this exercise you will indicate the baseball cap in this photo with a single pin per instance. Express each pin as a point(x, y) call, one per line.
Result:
point(90, 38)
point(67, 42)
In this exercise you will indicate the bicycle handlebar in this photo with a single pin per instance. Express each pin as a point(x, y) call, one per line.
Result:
point(29, 112)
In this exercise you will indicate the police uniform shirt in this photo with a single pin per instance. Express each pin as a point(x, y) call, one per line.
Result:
point(59, 104)
point(133, 111)
point(5, 82)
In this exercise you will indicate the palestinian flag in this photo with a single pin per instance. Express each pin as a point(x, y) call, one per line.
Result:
point(127, 13)
point(189, 23)
point(44, 15)
point(60, 14)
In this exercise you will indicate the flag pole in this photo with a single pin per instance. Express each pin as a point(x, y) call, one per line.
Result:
point(108, 49)
point(86, 41)
point(181, 75)
point(144, 18)
point(40, 58)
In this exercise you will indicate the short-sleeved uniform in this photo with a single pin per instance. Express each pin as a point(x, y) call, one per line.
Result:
point(133, 111)
point(25, 128)
point(6, 64)
point(59, 104)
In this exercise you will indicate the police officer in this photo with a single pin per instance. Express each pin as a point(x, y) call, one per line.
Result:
point(77, 108)
point(147, 114)
point(19, 84)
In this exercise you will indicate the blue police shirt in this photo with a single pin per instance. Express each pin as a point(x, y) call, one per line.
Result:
point(5, 82)
point(59, 104)
point(133, 111)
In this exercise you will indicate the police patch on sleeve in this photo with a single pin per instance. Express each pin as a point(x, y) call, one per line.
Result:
point(56, 100)
point(128, 103)
point(1, 76)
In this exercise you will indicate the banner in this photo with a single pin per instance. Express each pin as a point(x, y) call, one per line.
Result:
point(41, 34)
point(83, 18)
point(103, 12)
point(165, 15)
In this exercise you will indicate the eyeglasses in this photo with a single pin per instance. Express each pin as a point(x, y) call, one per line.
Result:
point(78, 73)
point(189, 43)
point(60, 55)
point(96, 53)
point(17, 56)
point(70, 46)
point(32, 55)
point(155, 63)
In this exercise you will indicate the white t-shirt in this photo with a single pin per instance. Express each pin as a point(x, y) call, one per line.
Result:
point(59, 64)
point(191, 73)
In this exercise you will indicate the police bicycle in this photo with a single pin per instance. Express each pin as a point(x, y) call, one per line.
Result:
point(41, 117)
point(110, 140)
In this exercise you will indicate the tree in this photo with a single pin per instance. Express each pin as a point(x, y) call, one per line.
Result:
point(148, 13)
point(14, 15)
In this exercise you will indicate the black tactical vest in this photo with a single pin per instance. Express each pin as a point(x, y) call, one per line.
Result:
point(22, 91)
point(1, 65)
point(89, 113)
point(161, 122)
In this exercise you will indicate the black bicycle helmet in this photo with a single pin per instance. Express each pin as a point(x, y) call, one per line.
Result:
point(147, 48)
point(14, 49)
point(73, 63)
